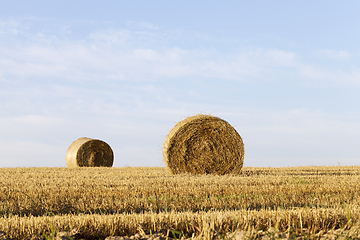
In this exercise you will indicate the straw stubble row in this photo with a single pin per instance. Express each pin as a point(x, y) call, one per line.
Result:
point(204, 225)
point(39, 191)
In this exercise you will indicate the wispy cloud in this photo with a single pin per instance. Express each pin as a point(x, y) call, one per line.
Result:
point(31, 154)
point(9, 27)
point(130, 85)
point(110, 54)
point(323, 77)
point(142, 25)
point(334, 54)
point(298, 134)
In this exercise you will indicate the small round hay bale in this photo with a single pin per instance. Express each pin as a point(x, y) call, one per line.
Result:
point(204, 144)
point(88, 152)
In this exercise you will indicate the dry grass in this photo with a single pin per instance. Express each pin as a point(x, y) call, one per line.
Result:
point(204, 144)
point(206, 224)
point(306, 199)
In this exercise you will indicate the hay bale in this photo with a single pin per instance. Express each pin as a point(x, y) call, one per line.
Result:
point(204, 144)
point(87, 152)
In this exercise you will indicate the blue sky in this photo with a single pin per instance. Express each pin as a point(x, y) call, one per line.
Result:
point(285, 74)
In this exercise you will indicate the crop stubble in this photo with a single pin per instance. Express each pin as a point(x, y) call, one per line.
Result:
point(307, 198)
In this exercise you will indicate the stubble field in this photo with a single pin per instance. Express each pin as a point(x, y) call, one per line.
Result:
point(102, 202)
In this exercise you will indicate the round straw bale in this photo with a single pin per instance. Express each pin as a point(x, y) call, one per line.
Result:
point(204, 144)
point(87, 152)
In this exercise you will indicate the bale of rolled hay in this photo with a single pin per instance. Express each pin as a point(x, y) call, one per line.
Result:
point(88, 152)
point(204, 144)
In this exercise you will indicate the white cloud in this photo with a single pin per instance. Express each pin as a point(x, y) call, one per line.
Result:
point(9, 27)
point(274, 57)
point(31, 154)
point(324, 77)
point(111, 36)
point(142, 25)
point(124, 54)
point(333, 54)
point(297, 137)
point(111, 84)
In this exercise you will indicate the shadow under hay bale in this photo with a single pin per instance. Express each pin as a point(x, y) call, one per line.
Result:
point(204, 144)
point(88, 152)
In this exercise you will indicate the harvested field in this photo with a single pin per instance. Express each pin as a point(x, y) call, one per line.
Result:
point(103, 202)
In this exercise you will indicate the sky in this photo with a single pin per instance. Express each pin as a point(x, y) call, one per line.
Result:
point(284, 74)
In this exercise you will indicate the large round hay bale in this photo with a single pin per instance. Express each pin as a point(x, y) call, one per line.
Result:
point(88, 152)
point(204, 144)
